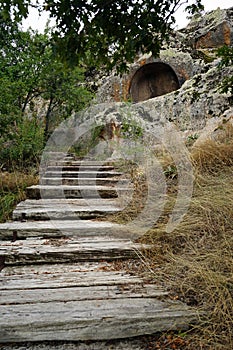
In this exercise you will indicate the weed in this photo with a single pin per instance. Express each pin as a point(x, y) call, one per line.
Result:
point(12, 191)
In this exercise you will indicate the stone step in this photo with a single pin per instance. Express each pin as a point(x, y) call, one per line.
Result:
point(67, 250)
point(83, 302)
point(78, 191)
point(63, 228)
point(83, 181)
point(79, 208)
point(82, 174)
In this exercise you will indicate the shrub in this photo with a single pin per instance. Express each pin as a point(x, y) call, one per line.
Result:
point(23, 146)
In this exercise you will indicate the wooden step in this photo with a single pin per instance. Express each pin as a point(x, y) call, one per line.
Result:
point(41, 283)
point(74, 162)
point(67, 250)
point(63, 228)
point(51, 276)
point(83, 302)
point(56, 181)
point(77, 167)
point(44, 209)
point(78, 191)
point(82, 174)
point(91, 319)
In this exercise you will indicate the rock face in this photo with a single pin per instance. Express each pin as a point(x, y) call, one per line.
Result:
point(191, 93)
point(198, 100)
point(211, 31)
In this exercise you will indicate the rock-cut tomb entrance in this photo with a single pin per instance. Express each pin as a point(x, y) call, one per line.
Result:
point(151, 80)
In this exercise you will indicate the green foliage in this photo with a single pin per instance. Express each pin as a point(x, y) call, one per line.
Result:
point(226, 55)
point(196, 8)
point(7, 204)
point(29, 74)
point(171, 172)
point(62, 87)
point(23, 146)
point(131, 130)
point(17, 8)
point(12, 190)
point(88, 141)
point(107, 32)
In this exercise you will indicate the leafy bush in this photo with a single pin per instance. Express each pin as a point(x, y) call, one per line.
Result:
point(24, 144)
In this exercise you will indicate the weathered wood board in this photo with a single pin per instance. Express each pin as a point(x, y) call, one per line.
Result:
point(80, 166)
point(91, 319)
point(70, 191)
point(80, 174)
point(54, 276)
point(61, 228)
point(56, 181)
point(64, 208)
point(67, 250)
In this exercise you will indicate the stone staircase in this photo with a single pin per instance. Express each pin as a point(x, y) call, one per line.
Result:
point(58, 280)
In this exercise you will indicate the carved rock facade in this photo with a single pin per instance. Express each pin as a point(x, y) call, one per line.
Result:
point(190, 94)
point(191, 51)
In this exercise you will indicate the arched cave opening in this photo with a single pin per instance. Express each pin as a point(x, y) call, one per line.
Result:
point(151, 80)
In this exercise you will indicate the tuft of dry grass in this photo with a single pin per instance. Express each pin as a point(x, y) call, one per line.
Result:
point(214, 153)
point(12, 191)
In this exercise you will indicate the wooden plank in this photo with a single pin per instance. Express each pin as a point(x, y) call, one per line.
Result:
point(99, 292)
point(83, 166)
point(91, 202)
point(67, 250)
point(81, 174)
point(72, 161)
point(55, 181)
point(68, 191)
point(61, 228)
point(92, 319)
point(51, 276)
point(64, 208)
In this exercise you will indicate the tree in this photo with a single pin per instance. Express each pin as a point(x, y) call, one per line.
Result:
point(62, 86)
point(108, 32)
point(29, 70)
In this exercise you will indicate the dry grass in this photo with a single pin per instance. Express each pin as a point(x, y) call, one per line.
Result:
point(12, 191)
point(195, 261)
point(216, 152)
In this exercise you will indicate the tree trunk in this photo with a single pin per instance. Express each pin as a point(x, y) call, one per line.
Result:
point(47, 118)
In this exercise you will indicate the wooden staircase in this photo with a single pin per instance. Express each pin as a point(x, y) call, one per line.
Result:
point(58, 281)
